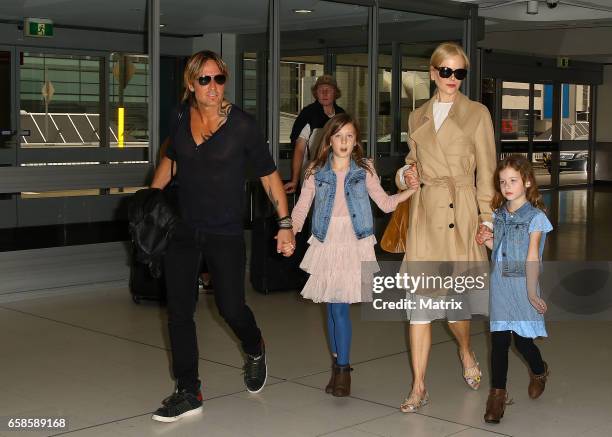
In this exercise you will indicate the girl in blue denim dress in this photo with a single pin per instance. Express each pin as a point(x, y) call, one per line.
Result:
point(341, 181)
point(516, 308)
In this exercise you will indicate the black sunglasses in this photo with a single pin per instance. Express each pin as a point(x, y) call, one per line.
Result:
point(445, 72)
point(205, 80)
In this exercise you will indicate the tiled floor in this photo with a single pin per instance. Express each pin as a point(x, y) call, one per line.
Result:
point(102, 362)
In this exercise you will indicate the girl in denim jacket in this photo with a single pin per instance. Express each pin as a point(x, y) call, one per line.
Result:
point(341, 181)
point(516, 309)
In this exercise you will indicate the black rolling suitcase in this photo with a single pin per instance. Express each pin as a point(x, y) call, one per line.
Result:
point(143, 286)
point(271, 271)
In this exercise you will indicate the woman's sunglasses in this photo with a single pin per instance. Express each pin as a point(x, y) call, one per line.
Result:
point(445, 72)
point(219, 78)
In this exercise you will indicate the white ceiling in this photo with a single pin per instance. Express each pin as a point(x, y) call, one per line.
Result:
point(584, 20)
point(195, 17)
point(124, 14)
point(566, 11)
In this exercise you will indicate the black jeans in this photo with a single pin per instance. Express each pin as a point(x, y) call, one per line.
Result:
point(500, 344)
point(225, 257)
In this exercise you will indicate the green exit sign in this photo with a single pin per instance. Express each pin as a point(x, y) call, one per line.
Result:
point(39, 27)
point(563, 62)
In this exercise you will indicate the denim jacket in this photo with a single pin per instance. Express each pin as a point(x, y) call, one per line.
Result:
point(513, 231)
point(357, 200)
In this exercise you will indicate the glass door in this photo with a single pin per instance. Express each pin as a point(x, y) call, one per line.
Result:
point(59, 100)
point(298, 75)
point(514, 124)
point(8, 130)
point(543, 139)
point(6, 126)
point(331, 38)
point(527, 127)
point(403, 77)
point(575, 134)
point(8, 123)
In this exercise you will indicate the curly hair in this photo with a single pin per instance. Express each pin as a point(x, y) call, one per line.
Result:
point(523, 166)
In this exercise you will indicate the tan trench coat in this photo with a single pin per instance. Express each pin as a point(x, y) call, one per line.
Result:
point(456, 166)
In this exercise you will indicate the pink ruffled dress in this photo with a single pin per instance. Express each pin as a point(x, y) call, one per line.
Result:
point(337, 274)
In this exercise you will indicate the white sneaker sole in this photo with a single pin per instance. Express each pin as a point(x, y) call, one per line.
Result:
point(175, 418)
point(264, 383)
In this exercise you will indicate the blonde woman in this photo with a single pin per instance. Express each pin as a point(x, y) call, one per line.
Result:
point(452, 153)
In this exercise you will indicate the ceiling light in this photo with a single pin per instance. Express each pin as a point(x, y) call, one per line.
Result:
point(303, 11)
point(162, 25)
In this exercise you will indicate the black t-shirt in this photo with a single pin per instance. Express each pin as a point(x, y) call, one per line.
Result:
point(212, 175)
point(313, 115)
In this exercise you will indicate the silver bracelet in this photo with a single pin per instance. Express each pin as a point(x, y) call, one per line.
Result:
point(285, 223)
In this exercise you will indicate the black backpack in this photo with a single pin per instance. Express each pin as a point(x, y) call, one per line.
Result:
point(153, 217)
point(153, 214)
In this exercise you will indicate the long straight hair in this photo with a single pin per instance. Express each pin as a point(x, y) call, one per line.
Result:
point(332, 127)
point(523, 166)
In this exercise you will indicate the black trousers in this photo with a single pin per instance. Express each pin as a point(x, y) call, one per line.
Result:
point(500, 344)
point(225, 258)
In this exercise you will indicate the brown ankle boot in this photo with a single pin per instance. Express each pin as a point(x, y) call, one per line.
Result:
point(342, 381)
point(496, 404)
point(537, 383)
point(329, 388)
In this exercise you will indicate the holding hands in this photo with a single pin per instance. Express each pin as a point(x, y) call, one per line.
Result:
point(411, 178)
point(285, 242)
point(484, 235)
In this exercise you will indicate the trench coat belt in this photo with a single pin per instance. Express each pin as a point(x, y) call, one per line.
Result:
point(452, 183)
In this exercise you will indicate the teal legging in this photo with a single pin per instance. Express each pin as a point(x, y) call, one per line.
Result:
point(340, 331)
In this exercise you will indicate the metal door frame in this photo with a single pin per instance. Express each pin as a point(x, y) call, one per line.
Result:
point(14, 118)
point(528, 146)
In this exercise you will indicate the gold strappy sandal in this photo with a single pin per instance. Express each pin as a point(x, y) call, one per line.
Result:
point(472, 375)
point(413, 402)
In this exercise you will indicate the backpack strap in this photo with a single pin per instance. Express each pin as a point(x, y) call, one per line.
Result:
point(179, 117)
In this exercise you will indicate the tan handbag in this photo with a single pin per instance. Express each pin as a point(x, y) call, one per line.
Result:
point(394, 237)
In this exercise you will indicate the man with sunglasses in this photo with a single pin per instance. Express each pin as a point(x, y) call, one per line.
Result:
point(212, 141)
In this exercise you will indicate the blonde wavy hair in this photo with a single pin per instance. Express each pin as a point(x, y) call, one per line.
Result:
point(445, 51)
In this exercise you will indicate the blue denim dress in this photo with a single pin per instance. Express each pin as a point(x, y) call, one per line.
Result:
point(510, 309)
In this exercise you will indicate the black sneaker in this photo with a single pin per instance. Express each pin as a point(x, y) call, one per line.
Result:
point(256, 371)
point(178, 405)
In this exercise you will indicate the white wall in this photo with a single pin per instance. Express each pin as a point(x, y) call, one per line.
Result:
point(604, 107)
point(603, 148)
point(551, 42)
